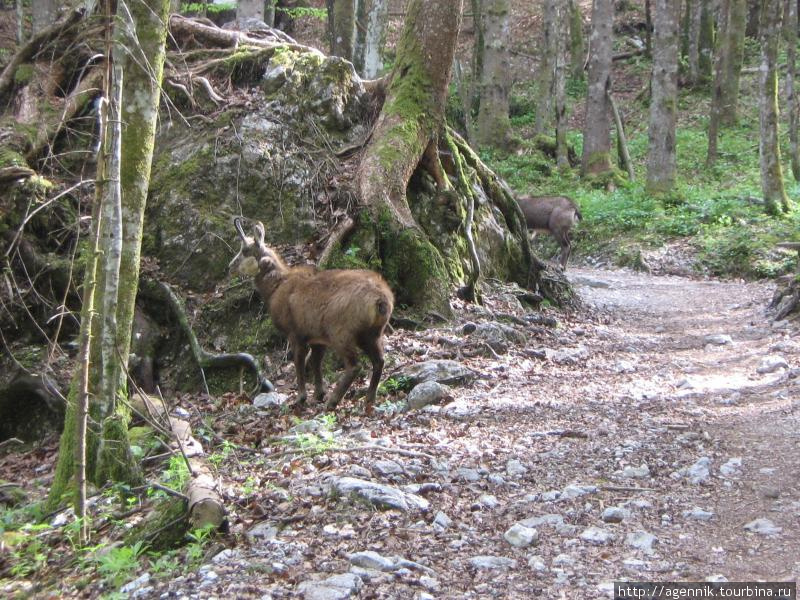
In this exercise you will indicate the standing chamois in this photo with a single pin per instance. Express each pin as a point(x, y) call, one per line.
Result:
point(554, 214)
point(346, 310)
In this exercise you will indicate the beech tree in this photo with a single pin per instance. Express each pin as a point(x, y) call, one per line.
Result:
point(493, 123)
point(544, 76)
point(370, 35)
point(772, 187)
point(790, 25)
point(661, 166)
point(576, 46)
point(596, 134)
point(139, 52)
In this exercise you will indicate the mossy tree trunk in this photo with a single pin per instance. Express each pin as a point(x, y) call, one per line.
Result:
point(576, 46)
point(705, 43)
point(559, 87)
point(370, 37)
point(733, 47)
point(772, 187)
point(661, 164)
point(139, 50)
point(596, 135)
point(544, 75)
point(790, 33)
point(342, 24)
point(493, 124)
point(408, 128)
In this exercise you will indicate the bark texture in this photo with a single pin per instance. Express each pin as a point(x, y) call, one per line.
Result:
point(43, 14)
point(577, 50)
point(493, 123)
point(342, 23)
point(772, 187)
point(790, 33)
point(544, 77)
point(661, 164)
point(370, 37)
point(596, 136)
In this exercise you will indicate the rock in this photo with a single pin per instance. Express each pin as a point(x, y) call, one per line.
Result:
point(337, 587)
point(699, 472)
point(430, 583)
point(448, 372)
point(209, 577)
point(698, 514)
point(589, 281)
point(639, 472)
point(614, 514)
point(550, 496)
point(771, 363)
point(228, 555)
point(137, 584)
point(498, 336)
point(575, 491)
point(427, 392)
point(596, 535)
point(442, 521)
point(641, 540)
point(624, 366)
point(537, 563)
point(181, 412)
point(564, 560)
point(265, 530)
point(515, 468)
point(388, 467)
point(492, 562)
point(372, 560)
point(771, 492)
point(732, 467)
point(718, 339)
point(549, 519)
point(488, 501)
point(382, 496)
point(270, 400)
point(520, 536)
point(468, 475)
point(763, 527)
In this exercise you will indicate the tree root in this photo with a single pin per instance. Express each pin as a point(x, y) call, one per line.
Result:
point(204, 359)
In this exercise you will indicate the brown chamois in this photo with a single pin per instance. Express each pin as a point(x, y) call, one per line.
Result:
point(342, 309)
point(553, 214)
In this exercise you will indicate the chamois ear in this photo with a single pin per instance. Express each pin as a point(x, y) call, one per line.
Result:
point(258, 228)
point(266, 264)
point(237, 222)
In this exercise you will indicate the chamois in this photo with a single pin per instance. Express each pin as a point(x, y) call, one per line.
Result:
point(553, 214)
point(344, 309)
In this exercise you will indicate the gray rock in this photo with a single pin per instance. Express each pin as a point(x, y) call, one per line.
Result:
point(228, 555)
point(718, 339)
point(575, 491)
point(181, 412)
point(496, 479)
point(337, 587)
point(698, 514)
point(537, 563)
point(564, 560)
point(515, 468)
point(589, 281)
point(732, 467)
point(614, 514)
point(265, 530)
point(763, 527)
point(498, 336)
point(372, 560)
point(699, 472)
point(427, 392)
point(382, 496)
point(448, 372)
point(135, 585)
point(388, 467)
point(641, 540)
point(551, 519)
point(550, 496)
point(772, 363)
point(520, 536)
point(639, 472)
point(492, 562)
point(468, 475)
point(596, 535)
point(429, 583)
point(270, 400)
point(488, 501)
point(442, 521)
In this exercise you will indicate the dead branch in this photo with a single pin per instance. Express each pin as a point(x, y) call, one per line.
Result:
point(339, 233)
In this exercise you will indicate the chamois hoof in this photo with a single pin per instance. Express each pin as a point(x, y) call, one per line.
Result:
point(265, 386)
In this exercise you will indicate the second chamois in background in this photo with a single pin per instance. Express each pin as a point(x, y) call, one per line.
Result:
point(556, 215)
point(343, 309)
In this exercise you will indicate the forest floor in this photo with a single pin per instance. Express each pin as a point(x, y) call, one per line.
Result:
point(650, 435)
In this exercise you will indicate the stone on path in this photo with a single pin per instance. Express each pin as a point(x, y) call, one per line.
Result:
point(382, 496)
point(641, 540)
point(763, 526)
point(596, 535)
point(520, 536)
point(771, 363)
point(492, 562)
point(337, 587)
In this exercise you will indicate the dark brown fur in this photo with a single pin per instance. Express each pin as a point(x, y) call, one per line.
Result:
point(342, 309)
point(553, 214)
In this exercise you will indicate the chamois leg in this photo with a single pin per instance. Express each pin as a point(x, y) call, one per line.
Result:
point(345, 381)
point(374, 350)
point(300, 350)
point(566, 248)
point(317, 353)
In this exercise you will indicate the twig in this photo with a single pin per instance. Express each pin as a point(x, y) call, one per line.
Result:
point(622, 488)
point(163, 488)
point(10, 441)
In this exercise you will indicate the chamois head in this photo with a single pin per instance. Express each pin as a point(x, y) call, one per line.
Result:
point(255, 258)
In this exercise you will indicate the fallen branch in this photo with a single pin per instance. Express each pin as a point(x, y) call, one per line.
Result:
point(622, 488)
point(341, 231)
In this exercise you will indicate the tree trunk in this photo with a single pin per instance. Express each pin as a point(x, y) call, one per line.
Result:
point(408, 127)
point(577, 50)
point(43, 14)
point(596, 137)
point(20, 21)
point(752, 28)
point(722, 58)
point(370, 37)
point(648, 29)
point(733, 48)
point(544, 76)
point(772, 187)
point(140, 50)
point(790, 33)
point(342, 21)
point(493, 124)
point(705, 43)
point(250, 9)
point(661, 166)
point(559, 87)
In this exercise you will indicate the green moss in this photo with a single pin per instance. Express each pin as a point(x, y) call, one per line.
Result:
point(416, 270)
point(165, 528)
point(23, 74)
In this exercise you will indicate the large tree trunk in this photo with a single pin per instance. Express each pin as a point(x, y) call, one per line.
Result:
point(705, 43)
point(576, 47)
point(661, 168)
point(772, 187)
point(559, 87)
point(792, 106)
point(43, 14)
point(733, 47)
point(544, 76)
point(139, 51)
point(493, 123)
point(370, 37)
point(342, 25)
point(596, 137)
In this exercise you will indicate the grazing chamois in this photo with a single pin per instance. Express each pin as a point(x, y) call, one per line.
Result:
point(343, 309)
point(553, 214)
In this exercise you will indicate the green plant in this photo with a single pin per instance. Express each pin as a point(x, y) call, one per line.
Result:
point(396, 383)
point(196, 547)
point(297, 12)
point(29, 557)
point(118, 564)
point(177, 473)
point(164, 564)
